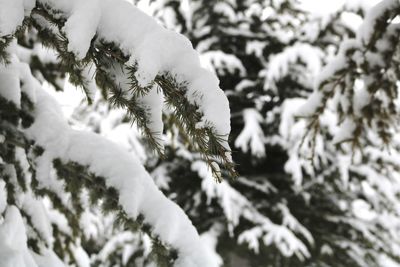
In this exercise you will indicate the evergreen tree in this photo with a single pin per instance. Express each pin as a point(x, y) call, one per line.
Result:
point(338, 209)
point(55, 180)
point(315, 187)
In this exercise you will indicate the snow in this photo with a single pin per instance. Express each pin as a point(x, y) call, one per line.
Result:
point(13, 247)
point(252, 135)
point(81, 257)
point(324, 9)
point(11, 16)
point(351, 20)
point(388, 262)
point(243, 84)
point(279, 65)
point(290, 109)
point(363, 210)
point(153, 102)
point(220, 62)
point(338, 63)
point(255, 47)
point(124, 238)
point(9, 86)
point(89, 72)
point(367, 28)
point(361, 97)
point(157, 51)
point(12, 76)
point(3, 196)
point(225, 10)
point(48, 258)
point(235, 206)
point(121, 170)
point(210, 239)
point(345, 132)
point(81, 25)
point(312, 104)
point(137, 192)
point(139, 36)
point(232, 202)
point(36, 211)
point(59, 219)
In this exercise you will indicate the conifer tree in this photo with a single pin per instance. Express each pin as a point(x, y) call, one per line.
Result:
point(315, 187)
point(53, 178)
point(301, 199)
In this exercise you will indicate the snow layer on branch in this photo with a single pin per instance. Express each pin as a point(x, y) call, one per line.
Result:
point(236, 206)
point(367, 29)
point(338, 63)
point(137, 192)
point(210, 238)
point(153, 102)
point(220, 62)
point(152, 48)
point(120, 239)
point(9, 86)
point(81, 26)
point(12, 14)
point(13, 246)
point(280, 64)
point(48, 258)
point(121, 170)
point(252, 135)
point(36, 211)
point(346, 131)
point(3, 196)
point(12, 76)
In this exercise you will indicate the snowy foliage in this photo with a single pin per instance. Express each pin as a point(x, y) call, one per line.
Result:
point(312, 102)
point(44, 160)
point(317, 197)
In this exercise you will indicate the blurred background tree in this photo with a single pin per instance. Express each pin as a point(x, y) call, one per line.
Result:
point(306, 194)
point(303, 198)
